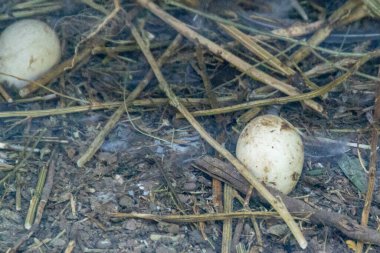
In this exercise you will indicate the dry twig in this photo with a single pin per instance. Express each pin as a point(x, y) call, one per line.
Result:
point(349, 227)
point(372, 168)
point(275, 202)
point(283, 100)
point(240, 64)
point(43, 201)
point(97, 142)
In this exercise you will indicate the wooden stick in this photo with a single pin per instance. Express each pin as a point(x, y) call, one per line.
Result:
point(240, 64)
point(194, 217)
point(283, 100)
point(202, 71)
point(277, 204)
point(5, 94)
point(372, 168)
point(227, 224)
point(258, 50)
point(53, 164)
point(152, 102)
point(349, 227)
point(98, 141)
point(334, 20)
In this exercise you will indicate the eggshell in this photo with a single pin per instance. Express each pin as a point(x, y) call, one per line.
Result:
point(271, 148)
point(28, 49)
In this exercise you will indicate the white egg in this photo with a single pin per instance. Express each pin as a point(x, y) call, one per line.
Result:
point(271, 148)
point(28, 49)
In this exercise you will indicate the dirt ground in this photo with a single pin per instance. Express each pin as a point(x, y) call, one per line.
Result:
point(146, 163)
point(127, 175)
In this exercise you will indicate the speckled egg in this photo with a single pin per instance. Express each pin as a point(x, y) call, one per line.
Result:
point(272, 149)
point(28, 49)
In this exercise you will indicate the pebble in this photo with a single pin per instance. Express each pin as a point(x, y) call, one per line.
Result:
point(103, 244)
point(158, 237)
point(57, 243)
point(173, 228)
point(164, 249)
point(190, 186)
point(131, 224)
point(126, 202)
point(196, 236)
point(183, 198)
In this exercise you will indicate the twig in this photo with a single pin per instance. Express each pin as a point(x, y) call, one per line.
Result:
point(36, 99)
point(111, 15)
point(216, 184)
point(297, 6)
point(342, 68)
point(283, 100)
point(227, 224)
point(248, 115)
point(96, 6)
point(164, 86)
point(259, 237)
point(36, 197)
point(18, 192)
point(38, 10)
point(151, 102)
point(163, 168)
point(228, 174)
point(195, 217)
point(97, 142)
point(336, 19)
point(372, 168)
point(70, 247)
point(202, 71)
point(48, 186)
point(258, 50)
point(295, 30)
point(21, 164)
point(279, 36)
point(99, 139)
point(5, 94)
point(240, 64)
point(240, 223)
point(44, 198)
point(325, 68)
point(4, 145)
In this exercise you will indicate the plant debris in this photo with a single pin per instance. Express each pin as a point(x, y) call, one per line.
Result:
point(128, 143)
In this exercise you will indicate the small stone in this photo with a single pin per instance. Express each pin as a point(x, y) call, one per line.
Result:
point(138, 249)
point(57, 243)
point(173, 228)
point(248, 229)
point(209, 250)
point(167, 227)
point(164, 249)
point(130, 243)
point(172, 238)
point(126, 202)
point(183, 198)
point(191, 186)
point(103, 244)
point(131, 224)
point(70, 216)
point(278, 230)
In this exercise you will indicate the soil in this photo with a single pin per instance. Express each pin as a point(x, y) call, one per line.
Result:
point(145, 164)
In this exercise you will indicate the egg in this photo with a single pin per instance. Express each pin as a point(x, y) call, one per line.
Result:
point(28, 49)
point(272, 150)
